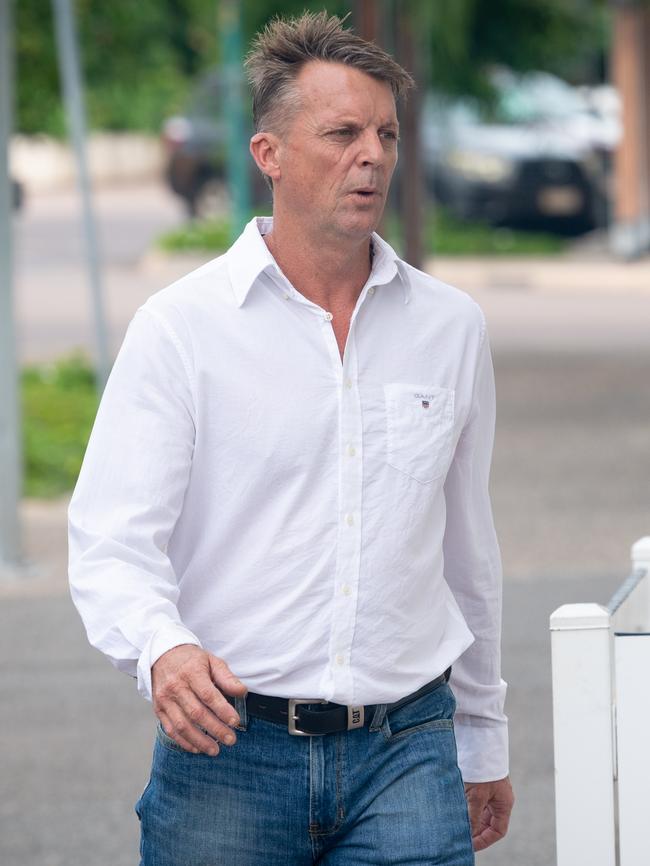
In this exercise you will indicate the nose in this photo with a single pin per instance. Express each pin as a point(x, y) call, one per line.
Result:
point(371, 149)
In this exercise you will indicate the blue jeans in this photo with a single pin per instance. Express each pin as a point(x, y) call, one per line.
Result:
point(388, 793)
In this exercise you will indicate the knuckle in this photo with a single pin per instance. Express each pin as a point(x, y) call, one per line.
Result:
point(195, 715)
point(207, 695)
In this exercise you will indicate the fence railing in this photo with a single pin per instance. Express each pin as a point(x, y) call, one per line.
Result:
point(601, 724)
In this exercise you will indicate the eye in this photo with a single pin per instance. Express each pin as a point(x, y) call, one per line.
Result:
point(389, 134)
point(343, 132)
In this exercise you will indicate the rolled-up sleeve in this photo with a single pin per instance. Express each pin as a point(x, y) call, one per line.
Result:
point(473, 572)
point(128, 498)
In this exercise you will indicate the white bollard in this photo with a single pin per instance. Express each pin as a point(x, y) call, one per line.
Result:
point(641, 562)
point(582, 657)
point(633, 746)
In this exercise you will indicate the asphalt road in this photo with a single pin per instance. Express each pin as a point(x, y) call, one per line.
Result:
point(570, 492)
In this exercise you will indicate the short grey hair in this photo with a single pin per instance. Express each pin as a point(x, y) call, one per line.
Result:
point(284, 46)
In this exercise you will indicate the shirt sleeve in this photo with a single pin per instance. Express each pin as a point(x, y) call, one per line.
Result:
point(473, 572)
point(128, 498)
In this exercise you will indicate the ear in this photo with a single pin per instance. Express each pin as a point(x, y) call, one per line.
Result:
point(265, 150)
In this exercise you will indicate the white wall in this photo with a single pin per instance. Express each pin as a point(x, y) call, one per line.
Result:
point(43, 164)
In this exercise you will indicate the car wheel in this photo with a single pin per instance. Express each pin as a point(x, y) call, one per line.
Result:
point(211, 199)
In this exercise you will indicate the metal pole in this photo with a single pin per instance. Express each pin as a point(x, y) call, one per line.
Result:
point(10, 450)
point(69, 70)
point(238, 163)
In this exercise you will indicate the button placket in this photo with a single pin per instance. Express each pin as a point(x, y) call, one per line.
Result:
point(349, 533)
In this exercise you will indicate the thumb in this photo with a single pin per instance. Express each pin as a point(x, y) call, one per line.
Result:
point(224, 678)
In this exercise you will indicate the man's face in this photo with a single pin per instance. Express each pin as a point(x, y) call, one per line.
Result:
point(339, 151)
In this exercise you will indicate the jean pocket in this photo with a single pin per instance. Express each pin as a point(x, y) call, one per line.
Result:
point(432, 712)
point(419, 429)
point(165, 740)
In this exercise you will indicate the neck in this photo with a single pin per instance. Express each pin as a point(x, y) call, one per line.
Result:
point(329, 271)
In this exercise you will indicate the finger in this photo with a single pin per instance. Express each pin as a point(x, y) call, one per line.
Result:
point(476, 805)
point(486, 838)
point(201, 717)
point(168, 728)
point(189, 737)
point(224, 678)
point(493, 827)
point(207, 693)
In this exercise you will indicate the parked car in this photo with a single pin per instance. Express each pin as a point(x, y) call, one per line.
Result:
point(537, 157)
point(196, 146)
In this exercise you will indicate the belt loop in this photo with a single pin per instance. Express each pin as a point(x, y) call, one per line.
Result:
point(378, 717)
point(240, 706)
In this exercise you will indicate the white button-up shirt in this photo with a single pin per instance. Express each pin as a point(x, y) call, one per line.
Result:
point(322, 524)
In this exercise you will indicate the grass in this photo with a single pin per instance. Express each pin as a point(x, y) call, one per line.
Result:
point(444, 235)
point(59, 402)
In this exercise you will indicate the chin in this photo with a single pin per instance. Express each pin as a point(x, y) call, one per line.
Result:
point(360, 225)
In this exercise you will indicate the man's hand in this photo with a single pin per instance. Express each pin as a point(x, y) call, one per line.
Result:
point(187, 684)
point(489, 805)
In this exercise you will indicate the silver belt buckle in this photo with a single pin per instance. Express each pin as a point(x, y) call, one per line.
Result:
point(293, 703)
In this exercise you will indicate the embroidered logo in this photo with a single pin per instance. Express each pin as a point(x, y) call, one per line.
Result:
point(425, 404)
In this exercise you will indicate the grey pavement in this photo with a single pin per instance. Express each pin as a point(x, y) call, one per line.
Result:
point(570, 491)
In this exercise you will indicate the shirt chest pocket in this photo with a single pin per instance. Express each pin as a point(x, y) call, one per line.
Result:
point(419, 429)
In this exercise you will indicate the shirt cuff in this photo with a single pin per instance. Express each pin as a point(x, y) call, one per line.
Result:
point(160, 642)
point(482, 751)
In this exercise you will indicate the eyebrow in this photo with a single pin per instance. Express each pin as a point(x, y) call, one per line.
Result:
point(335, 123)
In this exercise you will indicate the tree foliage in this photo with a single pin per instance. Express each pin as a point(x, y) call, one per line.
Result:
point(567, 37)
point(139, 59)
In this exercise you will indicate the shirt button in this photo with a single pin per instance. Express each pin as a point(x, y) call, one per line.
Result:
point(348, 383)
point(346, 589)
point(328, 317)
point(350, 519)
point(352, 450)
point(371, 290)
point(340, 660)
point(286, 296)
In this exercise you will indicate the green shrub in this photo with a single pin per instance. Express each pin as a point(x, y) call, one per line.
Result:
point(443, 235)
point(59, 402)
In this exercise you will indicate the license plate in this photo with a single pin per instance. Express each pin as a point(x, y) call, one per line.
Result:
point(560, 200)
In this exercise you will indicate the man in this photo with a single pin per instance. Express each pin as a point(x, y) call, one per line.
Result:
point(282, 524)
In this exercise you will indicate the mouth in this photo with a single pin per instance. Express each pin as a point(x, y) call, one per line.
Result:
point(366, 193)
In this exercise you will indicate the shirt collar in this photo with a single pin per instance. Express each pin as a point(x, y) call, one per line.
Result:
point(249, 256)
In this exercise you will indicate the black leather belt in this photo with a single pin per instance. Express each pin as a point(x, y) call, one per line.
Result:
point(329, 718)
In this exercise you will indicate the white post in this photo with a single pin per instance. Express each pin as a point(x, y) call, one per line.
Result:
point(641, 562)
point(633, 746)
point(581, 646)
